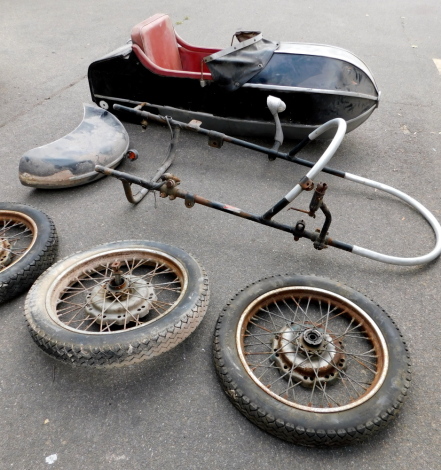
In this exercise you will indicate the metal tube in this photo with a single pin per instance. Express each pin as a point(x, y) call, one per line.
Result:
point(327, 155)
point(323, 160)
point(319, 244)
point(430, 218)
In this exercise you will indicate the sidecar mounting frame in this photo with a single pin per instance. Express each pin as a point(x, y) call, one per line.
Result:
point(167, 185)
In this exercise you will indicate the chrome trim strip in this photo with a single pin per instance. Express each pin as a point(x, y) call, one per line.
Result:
point(120, 100)
point(310, 90)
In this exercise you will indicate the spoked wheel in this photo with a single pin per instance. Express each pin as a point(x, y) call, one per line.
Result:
point(28, 243)
point(311, 361)
point(118, 303)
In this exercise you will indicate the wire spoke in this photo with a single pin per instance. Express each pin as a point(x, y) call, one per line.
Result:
point(339, 371)
point(16, 238)
point(87, 303)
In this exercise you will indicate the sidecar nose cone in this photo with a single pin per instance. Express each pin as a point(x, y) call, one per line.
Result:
point(100, 139)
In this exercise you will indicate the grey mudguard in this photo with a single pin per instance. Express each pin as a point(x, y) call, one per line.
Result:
point(100, 139)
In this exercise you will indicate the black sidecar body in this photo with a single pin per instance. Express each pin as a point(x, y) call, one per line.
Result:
point(227, 89)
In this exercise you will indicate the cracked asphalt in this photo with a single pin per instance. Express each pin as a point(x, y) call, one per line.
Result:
point(170, 412)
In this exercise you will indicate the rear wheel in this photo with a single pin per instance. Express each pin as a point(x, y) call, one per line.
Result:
point(118, 303)
point(311, 361)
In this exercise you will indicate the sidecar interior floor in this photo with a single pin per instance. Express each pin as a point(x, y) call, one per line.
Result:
point(100, 139)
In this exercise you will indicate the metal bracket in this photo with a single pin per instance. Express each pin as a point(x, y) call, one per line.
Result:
point(215, 139)
point(189, 200)
point(306, 184)
point(300, 228)
point(195, 124)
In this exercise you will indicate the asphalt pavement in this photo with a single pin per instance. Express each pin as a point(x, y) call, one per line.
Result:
point(171, 412)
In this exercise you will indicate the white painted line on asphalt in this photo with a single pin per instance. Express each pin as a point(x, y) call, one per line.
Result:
point(438, 64)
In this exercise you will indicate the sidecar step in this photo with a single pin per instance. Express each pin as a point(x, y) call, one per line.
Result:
point(100, 139)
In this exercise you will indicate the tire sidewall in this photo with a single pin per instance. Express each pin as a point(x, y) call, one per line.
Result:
point(44, 233)
point(18, 276)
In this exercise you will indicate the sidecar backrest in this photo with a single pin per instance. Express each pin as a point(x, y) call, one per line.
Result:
point(156, 37)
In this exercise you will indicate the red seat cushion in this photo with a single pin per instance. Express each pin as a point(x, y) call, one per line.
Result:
point(156, 37)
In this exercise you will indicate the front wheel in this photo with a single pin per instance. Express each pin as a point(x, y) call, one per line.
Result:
point(118, 303)
point(311, 361)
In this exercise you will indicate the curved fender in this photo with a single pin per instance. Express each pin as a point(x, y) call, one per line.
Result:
point(100, 139)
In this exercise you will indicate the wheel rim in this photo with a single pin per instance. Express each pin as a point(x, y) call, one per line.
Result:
point(18, 233)
point(312, 349)
point(116, 290)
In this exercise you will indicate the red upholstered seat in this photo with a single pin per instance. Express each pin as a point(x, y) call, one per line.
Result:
point(162, 51)
point(156, 37)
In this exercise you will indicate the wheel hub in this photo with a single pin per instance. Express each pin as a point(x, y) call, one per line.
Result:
point(312, 339)
point(121, 302)
point(5, 253)
point(308, 355)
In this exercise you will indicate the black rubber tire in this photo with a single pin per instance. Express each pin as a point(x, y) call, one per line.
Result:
point(21, 271)
point(273, 414)
point(124, 344)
